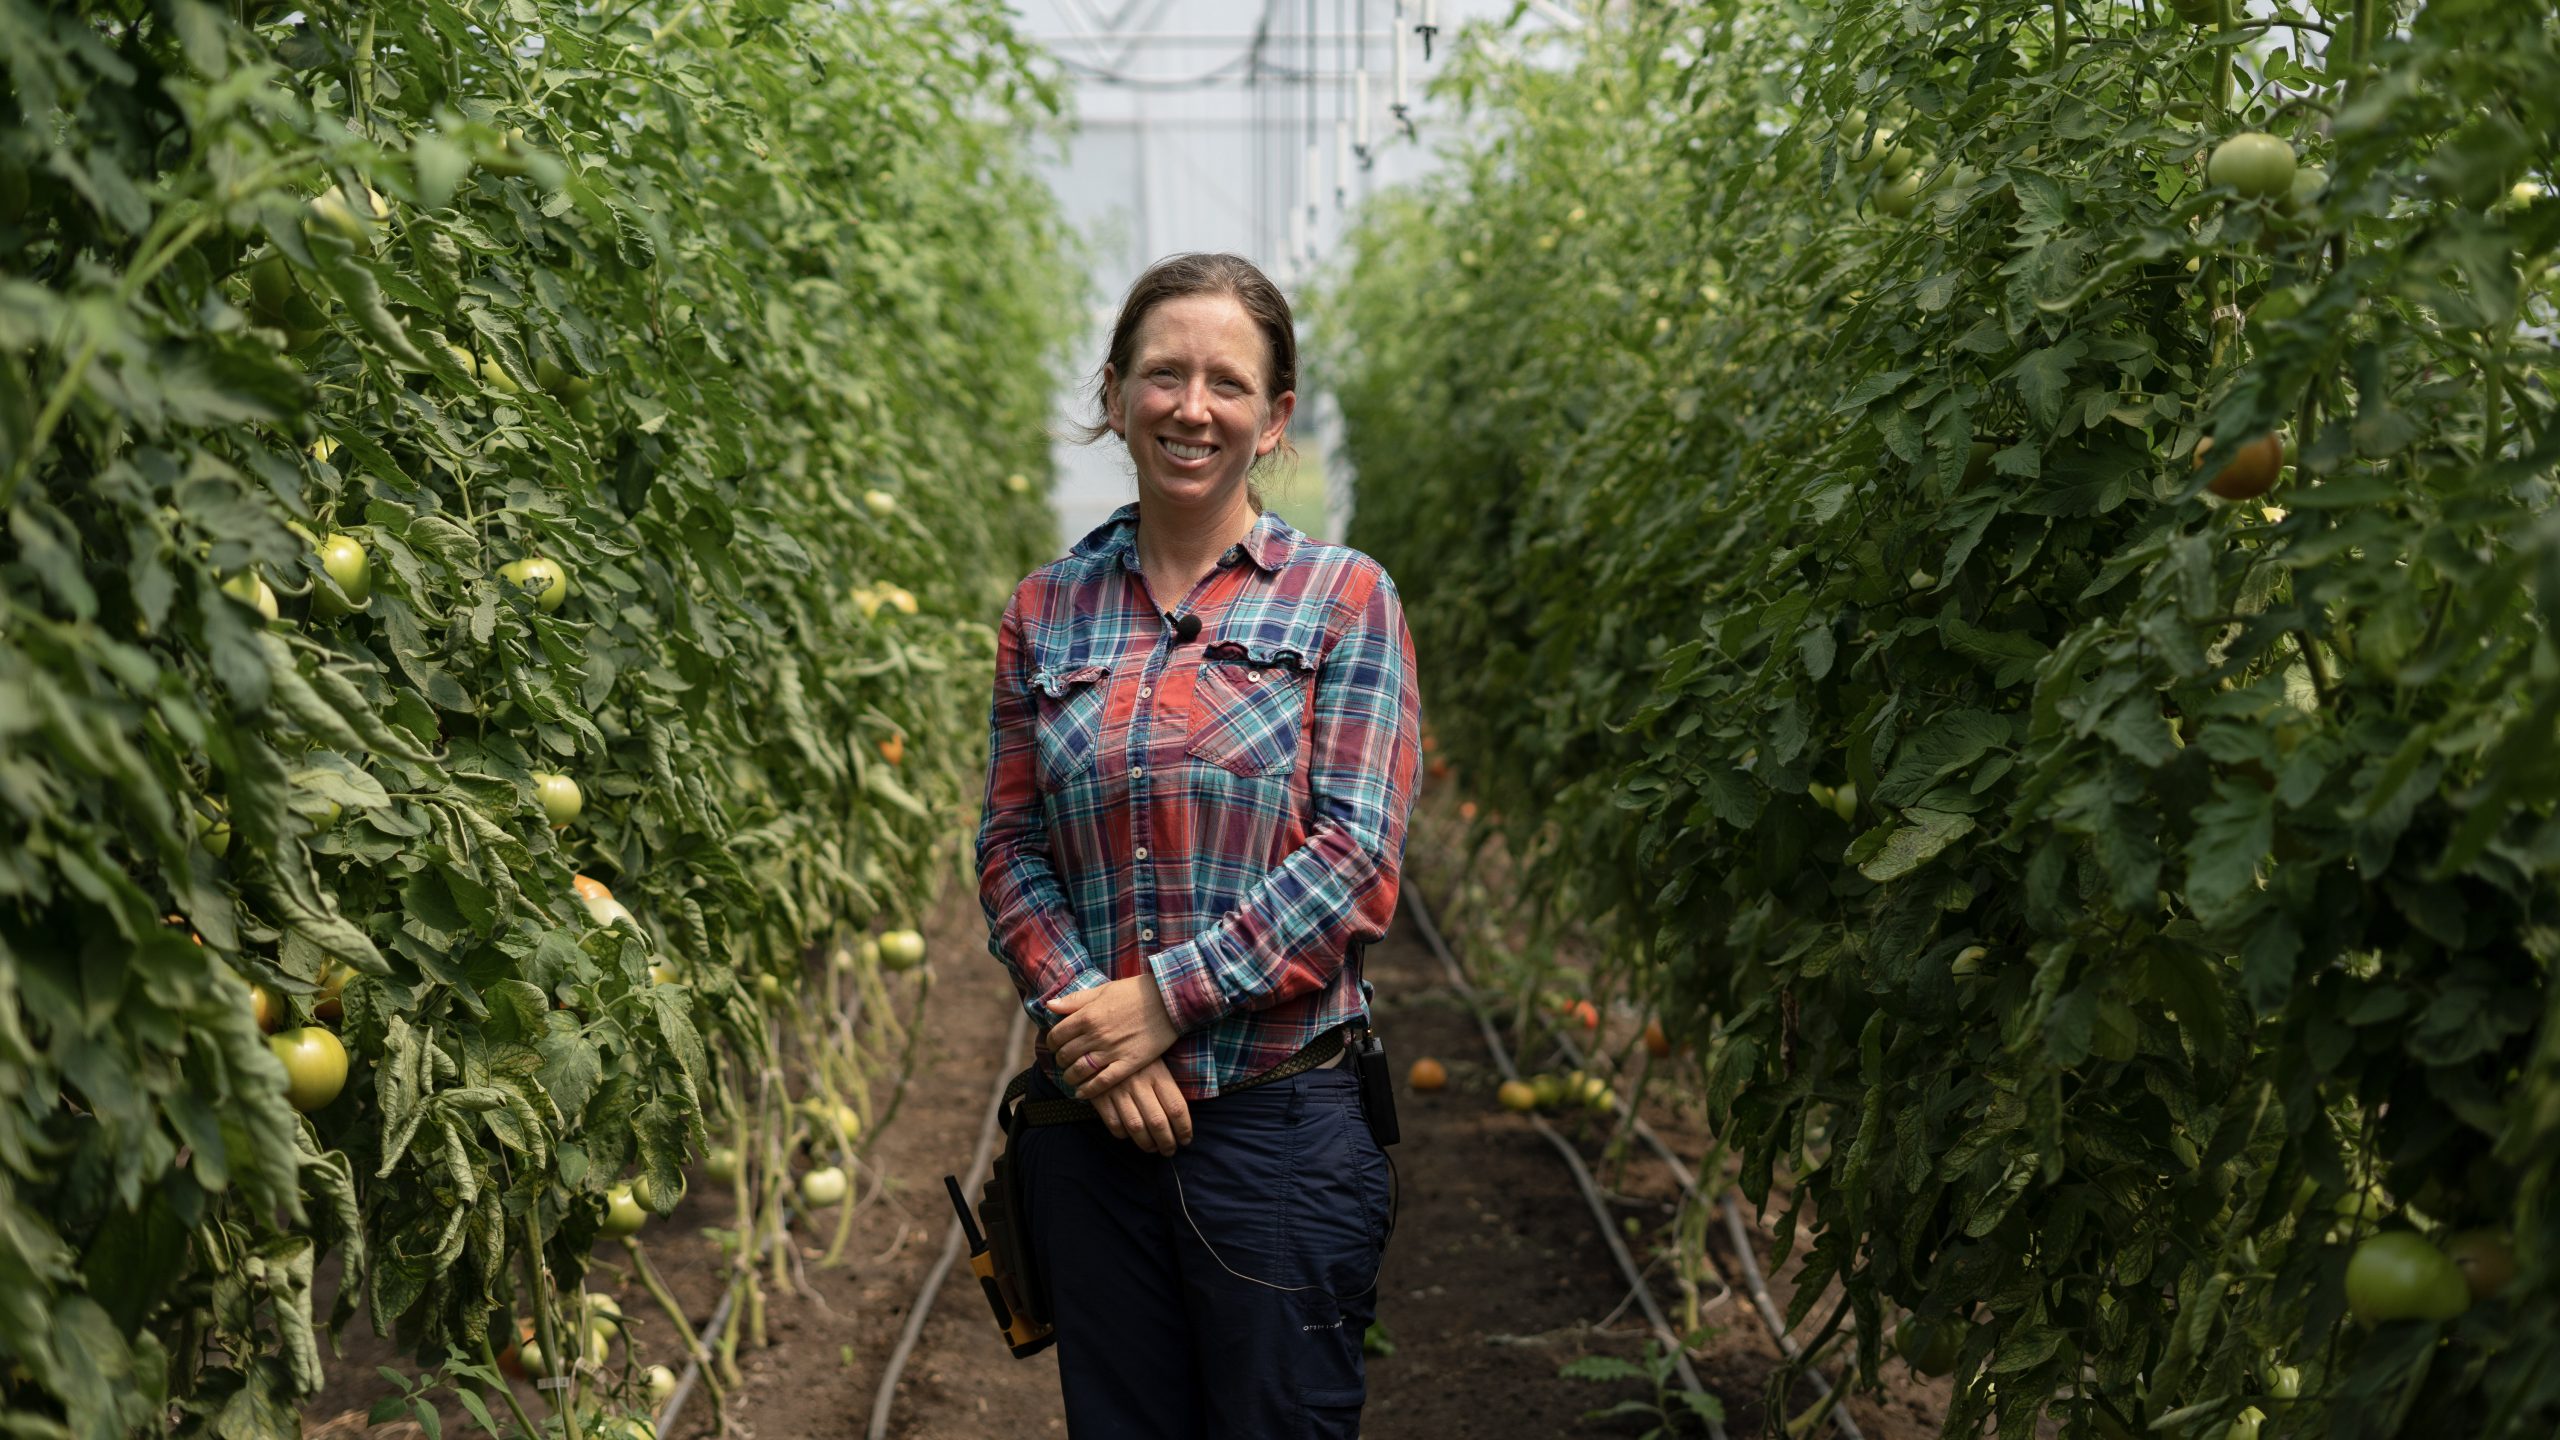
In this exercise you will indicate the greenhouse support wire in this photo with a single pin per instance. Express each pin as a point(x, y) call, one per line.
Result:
point(1737, 1232)
point(1599, 1207)
point(887, 1395)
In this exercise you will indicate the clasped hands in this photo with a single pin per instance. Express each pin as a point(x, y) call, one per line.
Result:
point(1110, 1046)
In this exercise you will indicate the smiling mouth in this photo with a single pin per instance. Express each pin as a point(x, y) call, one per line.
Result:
point(1188, 454)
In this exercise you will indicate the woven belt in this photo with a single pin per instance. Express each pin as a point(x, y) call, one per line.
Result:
point(1317, 1052)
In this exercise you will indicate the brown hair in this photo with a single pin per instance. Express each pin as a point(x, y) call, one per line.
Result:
point(1179, 277)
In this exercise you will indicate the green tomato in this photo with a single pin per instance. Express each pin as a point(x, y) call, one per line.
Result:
point(252, 590)
point(560, 380)
point(562, 801)
point(880, 502)
point(543, 581)
point(2254, 163)
point(608, 912)
point(2197, 12)
point(2244, 1426)
point(1930, 1347)
point(1844, 802)
point(901, 949)
point(721, 1164)
point(1869, 152)
point(1900, 193)
point(622, 1214)
point(344, 558)
point(662, 1385)
point(271, 284)
point(822, 1188)
point(333, 213)
point(645, 1190)
point(315, 1066)
point(2398, 1275)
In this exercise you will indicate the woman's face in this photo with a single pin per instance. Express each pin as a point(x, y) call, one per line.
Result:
point(1192, 407)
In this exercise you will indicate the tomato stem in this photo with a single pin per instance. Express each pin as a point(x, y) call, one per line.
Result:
point(489, 1357)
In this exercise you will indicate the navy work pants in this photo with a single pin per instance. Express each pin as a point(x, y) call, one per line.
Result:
point(1222, 1292)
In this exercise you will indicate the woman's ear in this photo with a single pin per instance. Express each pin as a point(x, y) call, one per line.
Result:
point(1277, 424)
point(1111, 401)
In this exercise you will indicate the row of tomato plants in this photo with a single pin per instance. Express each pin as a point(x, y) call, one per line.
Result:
point(503, 506)
point(1998, 557)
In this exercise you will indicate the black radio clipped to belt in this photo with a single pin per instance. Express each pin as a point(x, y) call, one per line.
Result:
point(1377, 1087)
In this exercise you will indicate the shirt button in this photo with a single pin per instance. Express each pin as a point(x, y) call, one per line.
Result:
point(1142, 852)
point(1146, 934)
point(1145, 690)
point(1137, 770)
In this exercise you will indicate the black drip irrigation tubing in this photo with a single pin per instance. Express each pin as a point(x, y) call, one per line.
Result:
point(1669, 1338)
point(1737, 1231)
point(1738, 1234)
point(951, 1248)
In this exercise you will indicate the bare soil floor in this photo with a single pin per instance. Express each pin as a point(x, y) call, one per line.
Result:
point(1496, 1276)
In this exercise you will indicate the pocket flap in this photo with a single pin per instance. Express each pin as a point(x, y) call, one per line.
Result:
point(1057, 682)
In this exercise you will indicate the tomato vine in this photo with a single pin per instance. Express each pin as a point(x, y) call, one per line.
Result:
point(403, 410)
point(2078, 885)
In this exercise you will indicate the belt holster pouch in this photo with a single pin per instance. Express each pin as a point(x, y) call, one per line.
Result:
point(1000, 1253)
point(1377, 1087)
point(1005, 1202)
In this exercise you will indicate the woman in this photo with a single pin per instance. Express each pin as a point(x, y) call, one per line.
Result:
point(1205, 731)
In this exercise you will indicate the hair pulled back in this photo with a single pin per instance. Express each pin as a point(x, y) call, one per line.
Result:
point(1180, 277)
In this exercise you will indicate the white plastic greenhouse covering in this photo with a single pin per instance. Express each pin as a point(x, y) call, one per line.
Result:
point(1251, 127)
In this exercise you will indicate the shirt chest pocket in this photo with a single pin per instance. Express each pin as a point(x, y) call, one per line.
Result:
point(1247, 711)
point(1068, 729)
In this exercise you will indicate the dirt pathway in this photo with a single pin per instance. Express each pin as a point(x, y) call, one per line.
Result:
point(1496, 1276)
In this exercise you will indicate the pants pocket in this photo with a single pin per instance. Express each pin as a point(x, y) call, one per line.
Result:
point(1333, 1414)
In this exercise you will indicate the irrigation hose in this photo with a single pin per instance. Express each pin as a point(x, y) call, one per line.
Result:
point(951, 1248)
point(1669, 1338)
point(1737, 1230)
point(1738, 1234)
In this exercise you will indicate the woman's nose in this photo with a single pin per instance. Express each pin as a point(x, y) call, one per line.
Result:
point(1193, 402)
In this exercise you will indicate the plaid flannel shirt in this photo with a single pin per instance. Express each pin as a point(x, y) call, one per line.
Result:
point(1227, 814)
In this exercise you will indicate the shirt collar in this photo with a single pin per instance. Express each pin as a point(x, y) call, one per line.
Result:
point(1269, 543)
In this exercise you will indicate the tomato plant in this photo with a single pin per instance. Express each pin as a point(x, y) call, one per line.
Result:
point(2196, 866)
point(401, 402)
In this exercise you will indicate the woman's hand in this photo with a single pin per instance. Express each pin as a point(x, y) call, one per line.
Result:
point(1147, 1110)
point(1110, 1032)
